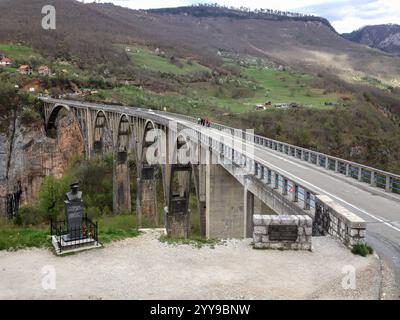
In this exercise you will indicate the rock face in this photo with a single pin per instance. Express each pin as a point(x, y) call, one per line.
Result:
point(384, 37)
point(27, 155)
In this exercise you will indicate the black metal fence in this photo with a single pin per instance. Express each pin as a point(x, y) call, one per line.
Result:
point(72, 237)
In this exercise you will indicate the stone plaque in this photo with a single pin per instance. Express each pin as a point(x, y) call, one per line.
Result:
point(148, 173)
point(74, 211)
point(98, 146)
point(178, 205)
point(282, 233)
point(122, 157)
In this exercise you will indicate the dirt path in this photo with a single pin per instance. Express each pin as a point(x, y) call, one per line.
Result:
point(144, 268)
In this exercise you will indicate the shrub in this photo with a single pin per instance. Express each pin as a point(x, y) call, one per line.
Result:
point(29, 116)
point(93, 212)
point(240, 93)
point(362, 249)
point(30, 215)
point(51, 196)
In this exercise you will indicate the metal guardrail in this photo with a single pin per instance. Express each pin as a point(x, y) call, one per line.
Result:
point(377, 178)
point(303, 197)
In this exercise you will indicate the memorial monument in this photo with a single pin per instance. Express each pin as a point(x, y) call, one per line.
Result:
point(74, 213)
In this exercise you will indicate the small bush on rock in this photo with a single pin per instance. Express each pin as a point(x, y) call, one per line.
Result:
point(362, 249)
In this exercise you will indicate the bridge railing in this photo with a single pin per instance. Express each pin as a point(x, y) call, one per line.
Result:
point(377, 178)
point(296, 194)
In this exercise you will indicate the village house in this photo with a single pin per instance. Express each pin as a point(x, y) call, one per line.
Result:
point(44, 70)
point(25, 69)
point(5, 61)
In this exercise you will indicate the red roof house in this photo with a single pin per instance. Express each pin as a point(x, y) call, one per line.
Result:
point(5, 61)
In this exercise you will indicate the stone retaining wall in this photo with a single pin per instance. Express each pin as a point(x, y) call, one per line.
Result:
point(337, 221)
point(274, 231)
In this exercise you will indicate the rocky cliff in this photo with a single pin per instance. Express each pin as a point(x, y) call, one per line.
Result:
point(27, 155)
point(385, 37)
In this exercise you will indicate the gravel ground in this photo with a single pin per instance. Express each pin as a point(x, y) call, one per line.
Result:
point(145, 268)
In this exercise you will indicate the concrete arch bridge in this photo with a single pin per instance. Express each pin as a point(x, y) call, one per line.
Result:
point(239, 177)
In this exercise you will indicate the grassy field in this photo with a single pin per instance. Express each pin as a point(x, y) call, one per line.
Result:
point(118, 227)
point(233, 94)
point(221, 94)
point(147, 59)
point(286, 87)
point(18, 52)
point(14, 238)
point(111, 228)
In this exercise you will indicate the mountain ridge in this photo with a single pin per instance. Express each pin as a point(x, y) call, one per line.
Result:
point(385, 37)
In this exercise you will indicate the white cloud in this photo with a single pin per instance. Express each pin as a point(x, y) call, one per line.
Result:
point(350, 18)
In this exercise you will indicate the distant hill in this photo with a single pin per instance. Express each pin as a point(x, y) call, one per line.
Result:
point(83, 35)
point(94, 35)
point(385, 37)
point(304, 42)
point(203, 11)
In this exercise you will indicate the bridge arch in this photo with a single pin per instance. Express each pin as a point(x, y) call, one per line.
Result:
point(100, 129)
point(179, 188)
point(147, 140)
point(52, 114)
point(123, 145)
point(147, 168)
point(125, 136)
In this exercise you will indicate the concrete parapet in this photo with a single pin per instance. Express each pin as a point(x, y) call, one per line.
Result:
point(335, 220)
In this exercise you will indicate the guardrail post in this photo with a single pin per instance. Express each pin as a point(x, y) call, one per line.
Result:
point(326, 163)
point(285, 187)
point(347, 170)
point(276, 181)
point(295, 190)
point(307, 197)
point(373, 182)
point(359, 174)
point(387, 187)
point(336, 166)
point(303, 155)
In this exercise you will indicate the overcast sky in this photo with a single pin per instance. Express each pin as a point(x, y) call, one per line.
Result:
point(345, 15)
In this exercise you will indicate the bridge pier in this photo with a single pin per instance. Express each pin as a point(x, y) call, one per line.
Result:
point(225, 212)
point(249, 206)
point(199, 173)
point(121, 183)
point(146, 203)
point(177, 214)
